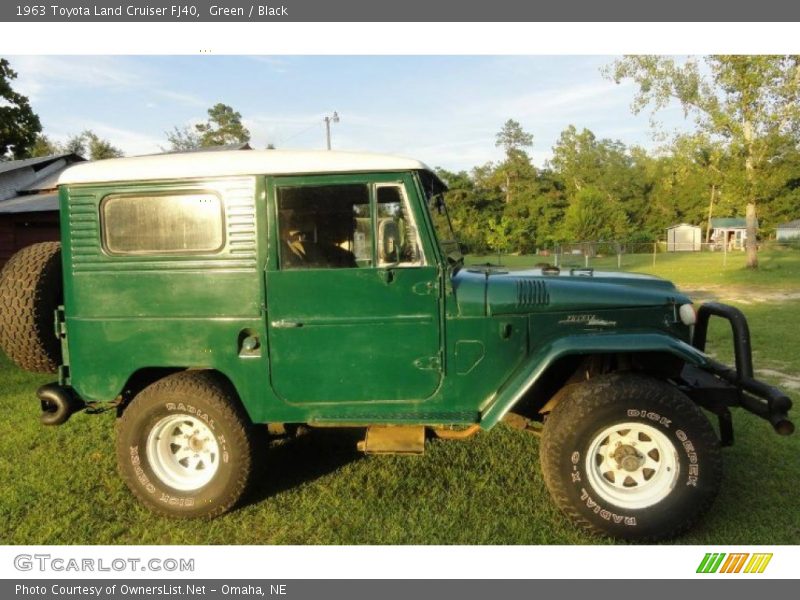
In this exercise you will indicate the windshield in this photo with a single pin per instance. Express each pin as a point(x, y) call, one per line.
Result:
point(437, 207)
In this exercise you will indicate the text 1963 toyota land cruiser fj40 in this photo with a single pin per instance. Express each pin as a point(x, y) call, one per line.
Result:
point(206, 295)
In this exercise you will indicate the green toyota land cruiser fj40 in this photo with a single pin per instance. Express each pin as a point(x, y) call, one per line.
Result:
point(208, 295)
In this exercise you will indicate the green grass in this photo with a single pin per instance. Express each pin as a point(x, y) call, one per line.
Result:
point(779, 269)
point(59, 485)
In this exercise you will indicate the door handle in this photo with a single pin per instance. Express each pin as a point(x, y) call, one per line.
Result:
point(283, 324)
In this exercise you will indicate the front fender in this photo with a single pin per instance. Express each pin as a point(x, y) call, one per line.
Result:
point(530, 371)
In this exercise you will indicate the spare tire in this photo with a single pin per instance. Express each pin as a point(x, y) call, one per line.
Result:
point(31, 289)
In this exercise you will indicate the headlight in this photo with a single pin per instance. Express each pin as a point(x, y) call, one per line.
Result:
point(687, 314)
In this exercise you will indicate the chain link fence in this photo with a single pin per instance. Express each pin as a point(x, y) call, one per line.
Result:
point(619, 255)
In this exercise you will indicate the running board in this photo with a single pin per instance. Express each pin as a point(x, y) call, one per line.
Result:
point(393, 439)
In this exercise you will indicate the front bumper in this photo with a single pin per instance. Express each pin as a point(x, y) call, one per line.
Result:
point(716, 386)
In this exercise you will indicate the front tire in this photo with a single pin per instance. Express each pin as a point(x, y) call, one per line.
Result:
point(631, 457)
point(185, 447)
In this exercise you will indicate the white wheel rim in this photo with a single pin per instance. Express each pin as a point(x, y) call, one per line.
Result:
point(183, 452)
point(632, 465)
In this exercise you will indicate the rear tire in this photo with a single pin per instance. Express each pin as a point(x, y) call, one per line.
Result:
point(630, 457)
point(31, 289)
point(185, 447)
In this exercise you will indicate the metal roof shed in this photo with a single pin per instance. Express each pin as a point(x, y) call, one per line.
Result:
point(788, 231)
point(684, 237)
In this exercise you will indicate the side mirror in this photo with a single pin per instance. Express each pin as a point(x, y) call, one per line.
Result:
point(440, 204)
point(388, 241)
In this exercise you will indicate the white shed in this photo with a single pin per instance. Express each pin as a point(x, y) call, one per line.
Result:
point(684, 238)
point(788, 231)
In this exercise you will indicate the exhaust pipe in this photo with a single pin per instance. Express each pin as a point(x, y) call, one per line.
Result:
point(781, 424)
point(58, 404)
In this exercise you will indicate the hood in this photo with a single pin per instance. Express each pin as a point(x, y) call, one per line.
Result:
point(494, 291)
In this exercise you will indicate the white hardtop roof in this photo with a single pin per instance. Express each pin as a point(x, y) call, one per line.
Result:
point(232, 163)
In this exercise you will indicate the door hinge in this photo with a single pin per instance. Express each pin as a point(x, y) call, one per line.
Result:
point(60, 323)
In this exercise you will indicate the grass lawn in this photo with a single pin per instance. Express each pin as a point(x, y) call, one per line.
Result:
point(59, 485)
point(779, 268)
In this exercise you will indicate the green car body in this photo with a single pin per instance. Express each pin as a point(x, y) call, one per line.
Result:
point(428, 344)
point(208, 294)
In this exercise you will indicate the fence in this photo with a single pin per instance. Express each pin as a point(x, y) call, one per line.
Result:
point(621, 255)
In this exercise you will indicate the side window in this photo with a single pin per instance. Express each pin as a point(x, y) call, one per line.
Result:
point(324, 226)
point(398, 241)
point(174, 223)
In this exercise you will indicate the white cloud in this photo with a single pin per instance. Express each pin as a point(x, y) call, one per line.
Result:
point(187, 99)
point(276, 64)
point(39, 76)
point(447, 117)
point(555, 103)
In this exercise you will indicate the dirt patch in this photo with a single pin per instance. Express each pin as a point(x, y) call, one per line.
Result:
point(791, 382)
point(741, 295)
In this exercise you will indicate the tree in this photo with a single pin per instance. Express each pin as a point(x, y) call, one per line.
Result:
point(224, 126)
point(100, 149)
point(576, 159)
point(591, 216)
point(19, 125)
point(469, 200)
point(547, 200)
point(752, 103)
point(44, 146)
point(502, 233)
point(708, 156)
point(87, 144)
point(607, 166)
point(75, 144)
point(513, 139)
point(182, 139)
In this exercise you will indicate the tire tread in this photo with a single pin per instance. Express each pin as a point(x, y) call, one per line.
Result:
point(209, 387)
point(30, 290)
point(582, 400)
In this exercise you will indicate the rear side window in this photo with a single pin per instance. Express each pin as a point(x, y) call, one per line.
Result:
point(163, 223)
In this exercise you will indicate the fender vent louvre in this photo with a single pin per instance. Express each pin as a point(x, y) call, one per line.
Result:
point(532, 292)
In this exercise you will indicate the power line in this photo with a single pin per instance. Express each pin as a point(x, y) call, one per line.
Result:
point(294, 135)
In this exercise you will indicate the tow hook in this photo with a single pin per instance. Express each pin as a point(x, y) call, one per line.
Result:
point(58, 404)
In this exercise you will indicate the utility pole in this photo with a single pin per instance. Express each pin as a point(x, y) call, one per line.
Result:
point(333, 118)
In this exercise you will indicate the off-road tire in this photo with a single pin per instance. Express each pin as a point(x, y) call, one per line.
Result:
point(590, 408)
point(204, 396)
point(30, 291)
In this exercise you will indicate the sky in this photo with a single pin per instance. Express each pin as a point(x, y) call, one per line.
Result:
point(443, 110)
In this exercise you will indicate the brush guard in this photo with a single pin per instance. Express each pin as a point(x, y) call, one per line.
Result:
point(716, 386)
